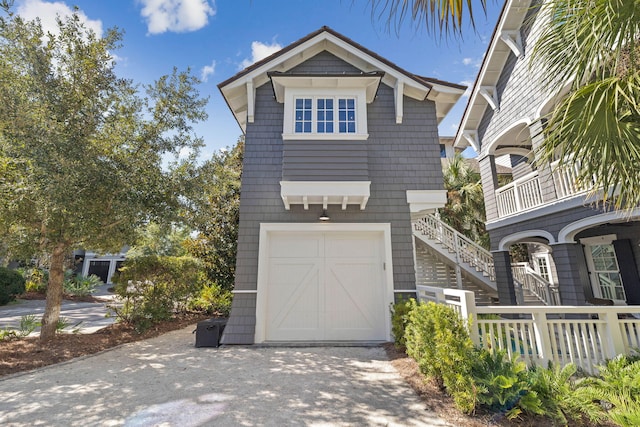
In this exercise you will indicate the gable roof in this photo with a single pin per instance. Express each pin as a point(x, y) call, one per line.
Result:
point(504, 41)
point(238, 90)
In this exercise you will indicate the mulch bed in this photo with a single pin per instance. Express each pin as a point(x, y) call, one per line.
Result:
point(42, 296)
point(25, 354)
point(442, 404)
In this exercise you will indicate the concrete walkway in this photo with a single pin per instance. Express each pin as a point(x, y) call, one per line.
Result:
point(88, 316)
point(166, 381)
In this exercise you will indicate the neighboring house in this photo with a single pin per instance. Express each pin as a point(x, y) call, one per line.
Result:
point(447, 150)
point(104, 266)
point(583, 252)
point(341, 149)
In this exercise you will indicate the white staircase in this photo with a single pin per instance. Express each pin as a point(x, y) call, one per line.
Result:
point(474, 265)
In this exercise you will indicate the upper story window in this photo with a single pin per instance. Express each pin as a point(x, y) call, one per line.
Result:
point(320, 115)
point(325, 106)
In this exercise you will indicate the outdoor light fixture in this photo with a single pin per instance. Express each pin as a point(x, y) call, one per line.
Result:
point(324, 216)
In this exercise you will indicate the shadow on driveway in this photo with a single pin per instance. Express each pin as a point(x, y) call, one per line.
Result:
point(167, 381)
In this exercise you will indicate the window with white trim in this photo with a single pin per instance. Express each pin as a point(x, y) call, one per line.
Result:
point(325, 113)
point(318, 115)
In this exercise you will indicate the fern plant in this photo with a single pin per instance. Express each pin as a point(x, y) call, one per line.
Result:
point(503, 384)
point(81, 286)
point(556, 387)
point(616, 390)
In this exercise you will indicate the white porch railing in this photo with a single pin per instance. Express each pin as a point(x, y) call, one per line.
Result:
point(528, 279)
point(525, 193)
point(565, 179)
point(522, 194)
point(585, 336)
point(466, 250)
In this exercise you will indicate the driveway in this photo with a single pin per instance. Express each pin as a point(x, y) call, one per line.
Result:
point(166, 381)
point(84, 317)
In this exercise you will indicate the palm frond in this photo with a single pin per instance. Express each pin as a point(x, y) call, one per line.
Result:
point(598, 127)
point(443, 17)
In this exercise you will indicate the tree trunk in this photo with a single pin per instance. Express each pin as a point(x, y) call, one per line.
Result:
point(54, 293)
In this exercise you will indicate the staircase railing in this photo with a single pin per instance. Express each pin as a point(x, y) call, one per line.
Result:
point(531, 281)
point(465, 249)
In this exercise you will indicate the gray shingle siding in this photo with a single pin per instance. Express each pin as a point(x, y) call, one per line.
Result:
point(327, 160)
point(400, 157)
point(552, 223)
point(520, 87)
point(568, 259)
point(324, 63)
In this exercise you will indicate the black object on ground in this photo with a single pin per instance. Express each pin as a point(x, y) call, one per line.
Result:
point(208, 332)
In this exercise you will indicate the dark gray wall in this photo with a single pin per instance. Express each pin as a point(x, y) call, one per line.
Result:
point(328, 160)
point(569, 259)
point(400, 157)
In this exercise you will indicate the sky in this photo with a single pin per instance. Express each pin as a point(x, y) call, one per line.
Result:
point(217, 38)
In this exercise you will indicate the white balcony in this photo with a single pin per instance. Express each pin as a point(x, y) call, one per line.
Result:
point(525, 193)
point(520, 195)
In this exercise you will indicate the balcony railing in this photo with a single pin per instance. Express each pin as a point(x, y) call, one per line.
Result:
point(520, 195)
point(526, 193)
point(565, 179)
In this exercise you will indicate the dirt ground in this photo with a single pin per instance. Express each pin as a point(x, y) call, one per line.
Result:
point(442, 404)
point(25, 354)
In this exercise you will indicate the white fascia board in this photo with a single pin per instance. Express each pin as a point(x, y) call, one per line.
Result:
point(421, 200)
point(325, 193)
point(329, 84)
point(513, 9)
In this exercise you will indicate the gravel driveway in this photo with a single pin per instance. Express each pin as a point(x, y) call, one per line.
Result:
point(166, 381)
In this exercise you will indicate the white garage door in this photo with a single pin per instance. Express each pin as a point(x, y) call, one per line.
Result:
point(325, 287)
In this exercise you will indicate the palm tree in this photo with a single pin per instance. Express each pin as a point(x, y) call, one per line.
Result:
point(596, 126)
point(464, 210)
point(594, 44)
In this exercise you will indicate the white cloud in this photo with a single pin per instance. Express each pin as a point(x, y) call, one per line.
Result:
point(259, 51)
point(469, 85)
point(207, 70)
point(474, 62)
point(176, 15)
point(48, 11)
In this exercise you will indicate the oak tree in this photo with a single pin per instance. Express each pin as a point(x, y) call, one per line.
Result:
point(85, 157)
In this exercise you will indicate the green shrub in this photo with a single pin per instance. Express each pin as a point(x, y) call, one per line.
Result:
point(213, 299)
point(153, 288)
point(399, 321)
point(36, 279)
point(438, 339)
point(81, 286)
point(11, 284)
point(503, 385)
